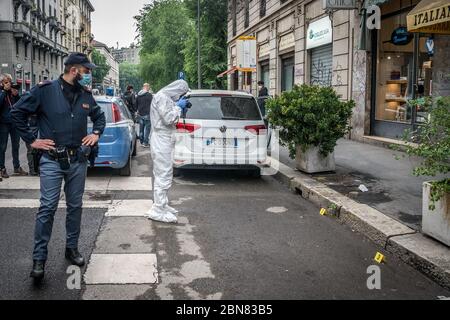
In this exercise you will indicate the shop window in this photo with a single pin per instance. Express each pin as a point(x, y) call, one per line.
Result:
point(397, 81)
point(247, 81)
point(265, 74)
point(424, 80)
point(287, 74)
point(235, 80)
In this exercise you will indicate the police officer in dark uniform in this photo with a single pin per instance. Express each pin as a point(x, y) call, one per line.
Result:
point(62, 107)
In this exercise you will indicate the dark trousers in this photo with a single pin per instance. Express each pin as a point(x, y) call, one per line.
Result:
point(144, 129)
point(51, 180)
point(30, 156)
point(7, 130)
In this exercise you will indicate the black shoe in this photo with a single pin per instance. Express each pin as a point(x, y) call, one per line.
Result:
point(75, 257)
point(38, 270)
point(4, 174)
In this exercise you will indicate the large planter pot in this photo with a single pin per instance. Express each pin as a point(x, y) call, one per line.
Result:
point(436, 223)
point(312, 161)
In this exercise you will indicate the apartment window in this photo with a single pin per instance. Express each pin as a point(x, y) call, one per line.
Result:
point(25, 47)
point(16, 14)
point(247, 14)
point(262, 8)
point(17, 47)
point(45, 58)
point(233, 14)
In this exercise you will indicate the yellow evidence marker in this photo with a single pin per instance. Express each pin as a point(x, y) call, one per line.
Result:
point(379, 258)
point(323, 211)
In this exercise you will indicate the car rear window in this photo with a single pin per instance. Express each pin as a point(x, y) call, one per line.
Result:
point(107, 109)
point(223, 108)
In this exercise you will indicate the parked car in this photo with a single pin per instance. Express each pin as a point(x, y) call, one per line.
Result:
point(222, 130)
point(118, 144)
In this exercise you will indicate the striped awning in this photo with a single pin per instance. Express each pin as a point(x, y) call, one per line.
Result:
point(430, 16)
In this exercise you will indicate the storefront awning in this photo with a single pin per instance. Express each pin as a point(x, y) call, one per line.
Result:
point(227, 72)
point(430, 16)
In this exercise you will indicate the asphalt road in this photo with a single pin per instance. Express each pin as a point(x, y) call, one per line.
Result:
point(238, 238)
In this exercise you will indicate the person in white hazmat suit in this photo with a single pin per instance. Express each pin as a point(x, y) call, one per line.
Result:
point(165, 111)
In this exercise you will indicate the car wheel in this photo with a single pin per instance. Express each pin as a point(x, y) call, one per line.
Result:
point(126, 171)
point(134, 149)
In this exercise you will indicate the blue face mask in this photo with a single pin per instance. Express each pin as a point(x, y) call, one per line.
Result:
point(86, 79)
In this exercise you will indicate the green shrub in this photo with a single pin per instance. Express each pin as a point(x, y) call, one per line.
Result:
point(310, 116)
point(433, 139)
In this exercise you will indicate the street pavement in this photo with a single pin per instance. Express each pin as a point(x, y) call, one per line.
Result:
point(238, 237)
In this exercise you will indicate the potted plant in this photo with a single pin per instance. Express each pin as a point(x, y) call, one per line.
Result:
point(433, 147)
point(311, 120)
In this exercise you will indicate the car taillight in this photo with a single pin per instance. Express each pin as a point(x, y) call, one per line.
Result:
point(187, 127)
point(257, 129)
point(116, 113)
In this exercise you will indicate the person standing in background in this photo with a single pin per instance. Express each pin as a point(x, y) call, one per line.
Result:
point(143, 103)
point(129, 98)
point(8, 97)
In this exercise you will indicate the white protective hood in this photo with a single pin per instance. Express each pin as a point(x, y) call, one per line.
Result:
point(175, 90)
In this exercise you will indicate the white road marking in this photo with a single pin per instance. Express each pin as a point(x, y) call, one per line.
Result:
point(183, 182)
point(129, 208)
point(277, 210)
point(122, 269)
point(34, 203)
point(196, 268)
point(180, 201)
point(92, 183)
point(130, 184)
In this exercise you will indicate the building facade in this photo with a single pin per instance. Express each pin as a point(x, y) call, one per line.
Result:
point(76, 15)
point(36, 36)
point(300, 41)
point(112, 78)
point(129, 55)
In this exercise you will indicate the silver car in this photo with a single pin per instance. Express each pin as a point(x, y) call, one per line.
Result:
point(222, 130)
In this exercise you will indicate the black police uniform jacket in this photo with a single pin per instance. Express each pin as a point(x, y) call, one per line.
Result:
point(58, 120)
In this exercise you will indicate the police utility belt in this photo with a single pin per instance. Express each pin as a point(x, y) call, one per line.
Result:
point(65, 155)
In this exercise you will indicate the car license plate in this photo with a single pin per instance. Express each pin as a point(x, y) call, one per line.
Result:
point(222, 142)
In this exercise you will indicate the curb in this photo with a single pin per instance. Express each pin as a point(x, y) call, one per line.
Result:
point(424, 254)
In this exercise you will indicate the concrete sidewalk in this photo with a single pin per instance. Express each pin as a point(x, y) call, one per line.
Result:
point(389, 214)
point(393, 189)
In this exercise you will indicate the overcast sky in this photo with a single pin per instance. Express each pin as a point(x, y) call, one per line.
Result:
point(112, 21)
